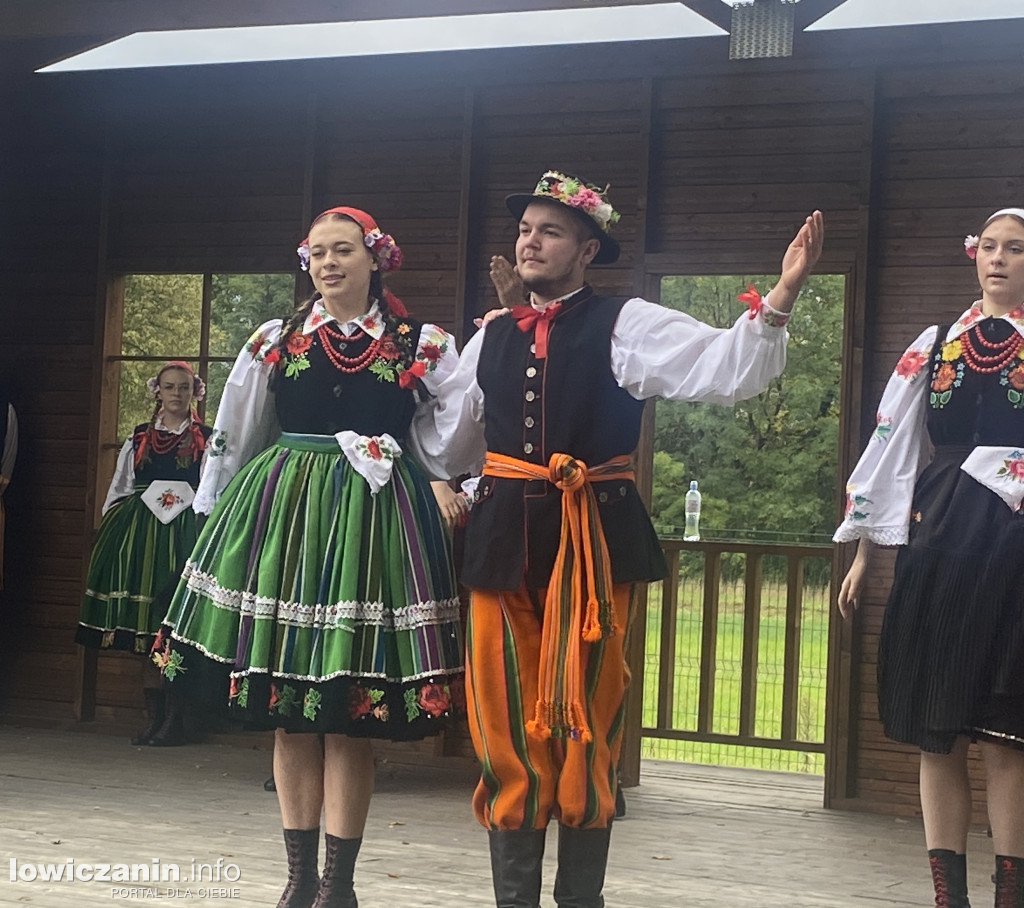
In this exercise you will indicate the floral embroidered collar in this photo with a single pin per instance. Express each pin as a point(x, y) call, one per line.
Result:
point(372, 322)
point(974, 315)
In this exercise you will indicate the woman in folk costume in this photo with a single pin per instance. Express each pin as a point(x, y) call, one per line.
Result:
point(943, 478)
point(147, 532)
point(320, 598)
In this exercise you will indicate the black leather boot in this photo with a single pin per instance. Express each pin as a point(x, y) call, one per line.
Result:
point(154, 712)
point(336, 887)
point(1009, 882)
point(516, 858)
point(303, 877)
point(171, 732)
point(582, 858)
point(949, 876)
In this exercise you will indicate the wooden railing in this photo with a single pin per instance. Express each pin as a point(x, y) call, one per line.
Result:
point(695, 596)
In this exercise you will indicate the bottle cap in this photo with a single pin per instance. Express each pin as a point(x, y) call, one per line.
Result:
point(693, 485)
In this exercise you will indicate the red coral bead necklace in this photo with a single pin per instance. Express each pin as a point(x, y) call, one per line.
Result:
point(1001, 353)
point(347, 364)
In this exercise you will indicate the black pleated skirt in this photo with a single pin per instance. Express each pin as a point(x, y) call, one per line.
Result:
point(951, 653)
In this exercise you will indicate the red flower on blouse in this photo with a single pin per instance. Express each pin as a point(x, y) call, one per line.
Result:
point(910, 363)
point(431, 352)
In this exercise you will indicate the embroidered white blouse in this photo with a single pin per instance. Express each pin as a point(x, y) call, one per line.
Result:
point(881, 487)
point(123, 482)
point(655, 352)
point(246, 418)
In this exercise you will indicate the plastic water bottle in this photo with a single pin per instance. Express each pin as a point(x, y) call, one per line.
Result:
point(692, 507)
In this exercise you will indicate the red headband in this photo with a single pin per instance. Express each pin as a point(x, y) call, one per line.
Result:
point(176, 364)
point(364, 220)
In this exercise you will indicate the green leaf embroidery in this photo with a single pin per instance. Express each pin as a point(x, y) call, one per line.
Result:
point(412, 707)
point(382, 369)
point(295, 365)
point(174, 665)
point(287, 700)
point(944, 397)
point(311, 703)
point(376, 695)
point(1014, 396)
point(243, 694)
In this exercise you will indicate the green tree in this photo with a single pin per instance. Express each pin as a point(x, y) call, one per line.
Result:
point(162, 319)
point(766, 466)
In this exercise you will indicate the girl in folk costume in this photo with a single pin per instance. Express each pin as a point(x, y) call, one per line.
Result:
point(320, 598)
point(148, 530)
point(943, 478)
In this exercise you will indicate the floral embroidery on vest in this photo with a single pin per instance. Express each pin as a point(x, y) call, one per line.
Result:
point(947, 374)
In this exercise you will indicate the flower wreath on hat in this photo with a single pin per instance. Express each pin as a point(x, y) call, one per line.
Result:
point(198, 385)
point(571, 191)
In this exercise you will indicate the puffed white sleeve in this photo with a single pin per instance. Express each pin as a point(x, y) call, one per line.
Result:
point(661, 352)
point(246, 421)
point(881, 488)
point(447, 429)
point(123, 482)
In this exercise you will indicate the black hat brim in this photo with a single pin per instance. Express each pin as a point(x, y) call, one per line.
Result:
point(607, 253)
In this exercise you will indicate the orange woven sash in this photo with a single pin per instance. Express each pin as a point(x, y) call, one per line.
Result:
point(578, 606)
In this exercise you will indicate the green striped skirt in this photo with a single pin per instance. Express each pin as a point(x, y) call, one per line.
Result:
point(133, 571)
point(312, 605)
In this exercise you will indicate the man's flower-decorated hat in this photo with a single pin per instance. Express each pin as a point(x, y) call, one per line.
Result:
point(588, 201)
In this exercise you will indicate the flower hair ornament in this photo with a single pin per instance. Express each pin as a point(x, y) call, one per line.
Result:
point(588, 200)
point(198, 385)
point(971, 241)
point(386, 252)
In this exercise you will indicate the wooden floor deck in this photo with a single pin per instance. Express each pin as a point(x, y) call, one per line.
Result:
point(694, 837)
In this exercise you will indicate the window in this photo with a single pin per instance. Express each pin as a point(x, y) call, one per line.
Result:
point(767, 468)
point(754, 661)
point(203, 319)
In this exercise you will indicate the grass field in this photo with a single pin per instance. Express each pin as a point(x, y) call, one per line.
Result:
point(728, 661)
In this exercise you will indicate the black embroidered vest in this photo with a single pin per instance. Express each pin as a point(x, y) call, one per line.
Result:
point(155, 467)
point(322, 400)
point(567, 403)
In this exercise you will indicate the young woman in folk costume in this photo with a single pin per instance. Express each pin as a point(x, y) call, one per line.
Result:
point(320, 597)
point(147, 532)
point(951, 652)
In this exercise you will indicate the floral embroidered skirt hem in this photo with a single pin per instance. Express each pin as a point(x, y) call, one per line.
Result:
point(951, 653)
point(311, 605)
point(134, 568)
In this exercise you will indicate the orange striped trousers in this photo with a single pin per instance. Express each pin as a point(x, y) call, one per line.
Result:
point(525, 780)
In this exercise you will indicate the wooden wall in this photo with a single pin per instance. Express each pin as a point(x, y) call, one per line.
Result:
point(898, 135)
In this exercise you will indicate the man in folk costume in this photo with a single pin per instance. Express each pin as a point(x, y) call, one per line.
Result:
point(557, 534)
